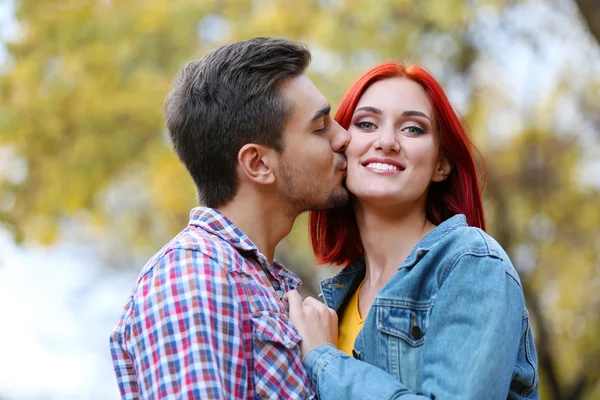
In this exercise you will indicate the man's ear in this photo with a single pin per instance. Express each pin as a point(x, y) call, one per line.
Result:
point(443, 169)
point(256, 163)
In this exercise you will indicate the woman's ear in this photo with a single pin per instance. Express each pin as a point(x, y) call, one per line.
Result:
point(442, 170)
point(256, 163)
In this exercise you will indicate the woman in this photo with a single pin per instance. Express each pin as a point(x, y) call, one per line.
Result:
point(429, 305)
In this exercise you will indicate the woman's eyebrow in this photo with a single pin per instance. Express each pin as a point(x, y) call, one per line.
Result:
point(414, 113)
point(369, 109)
point(409, 113)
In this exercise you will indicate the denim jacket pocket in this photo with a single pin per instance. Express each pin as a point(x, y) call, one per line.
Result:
point(277, 364)
point(403, 327)
point(407, 320)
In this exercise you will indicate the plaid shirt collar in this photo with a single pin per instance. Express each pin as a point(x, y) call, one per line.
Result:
point(216, 223)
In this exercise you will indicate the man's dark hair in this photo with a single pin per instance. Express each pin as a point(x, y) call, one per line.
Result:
point(226, 99)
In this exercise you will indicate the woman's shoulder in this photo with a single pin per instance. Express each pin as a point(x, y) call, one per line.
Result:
point(475, 240)
point(477, 244)
point(454, 237)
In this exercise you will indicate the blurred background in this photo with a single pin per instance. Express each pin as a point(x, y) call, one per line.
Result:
point(90, 189)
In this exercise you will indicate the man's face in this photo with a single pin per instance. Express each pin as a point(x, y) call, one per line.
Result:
point(312, 166)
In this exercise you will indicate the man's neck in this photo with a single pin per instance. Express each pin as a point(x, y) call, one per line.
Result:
point(264, 223)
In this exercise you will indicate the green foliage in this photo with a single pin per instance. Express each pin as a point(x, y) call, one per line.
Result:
point(83, 104)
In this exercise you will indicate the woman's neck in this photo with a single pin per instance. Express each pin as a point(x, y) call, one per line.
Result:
point(388, 236)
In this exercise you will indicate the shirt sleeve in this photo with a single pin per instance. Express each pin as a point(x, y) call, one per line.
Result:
point(186, 336)
point(471, 348)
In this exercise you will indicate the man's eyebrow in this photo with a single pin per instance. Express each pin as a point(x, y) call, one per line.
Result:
point(321, 113)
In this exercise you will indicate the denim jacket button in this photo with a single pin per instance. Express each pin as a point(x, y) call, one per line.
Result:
point(416, 332)
point(356, 354)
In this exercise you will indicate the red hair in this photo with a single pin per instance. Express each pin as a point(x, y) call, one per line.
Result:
point(334, 234)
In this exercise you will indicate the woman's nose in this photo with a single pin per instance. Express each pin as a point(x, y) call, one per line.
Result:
point(388, 140)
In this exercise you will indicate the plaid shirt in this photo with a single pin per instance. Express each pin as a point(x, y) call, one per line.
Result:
point(205, 321)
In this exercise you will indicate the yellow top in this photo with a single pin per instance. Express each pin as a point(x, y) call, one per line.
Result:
point(350, 324)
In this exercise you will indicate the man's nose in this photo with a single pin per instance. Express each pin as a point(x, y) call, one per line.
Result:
point(341, 138)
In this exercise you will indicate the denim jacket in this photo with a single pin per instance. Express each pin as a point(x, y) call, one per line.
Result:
point(450, 324)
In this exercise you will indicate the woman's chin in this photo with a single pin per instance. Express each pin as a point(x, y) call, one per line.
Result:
point(378, 198)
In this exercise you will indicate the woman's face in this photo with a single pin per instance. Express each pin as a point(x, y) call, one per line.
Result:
point(394, 152)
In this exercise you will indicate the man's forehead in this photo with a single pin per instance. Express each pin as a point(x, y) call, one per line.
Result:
point(305, 99)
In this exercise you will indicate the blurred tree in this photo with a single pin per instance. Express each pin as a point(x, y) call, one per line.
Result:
point(550, 226)
point(83, 149)
point(590, 10)
point(82, 105)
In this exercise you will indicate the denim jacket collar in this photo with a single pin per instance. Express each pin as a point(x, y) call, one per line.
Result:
point(335, 289)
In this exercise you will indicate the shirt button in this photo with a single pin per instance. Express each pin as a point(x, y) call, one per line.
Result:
point(356, 354)
point(416, 332)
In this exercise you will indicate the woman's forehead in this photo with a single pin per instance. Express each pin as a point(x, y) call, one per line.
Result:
point(396, 94)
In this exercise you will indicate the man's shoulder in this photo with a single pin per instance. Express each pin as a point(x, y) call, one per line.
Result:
point(196, 240)
point(192, 246)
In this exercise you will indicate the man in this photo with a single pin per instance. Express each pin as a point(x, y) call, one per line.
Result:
point(205, 318)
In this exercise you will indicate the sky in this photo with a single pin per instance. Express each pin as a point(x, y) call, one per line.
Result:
point(7, 25)
point(58, 308)
point(58, 305)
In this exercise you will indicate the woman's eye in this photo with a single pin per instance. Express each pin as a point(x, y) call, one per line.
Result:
point(365, 125)
point(414, 130)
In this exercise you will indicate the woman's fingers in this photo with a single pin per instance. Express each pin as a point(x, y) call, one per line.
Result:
point(315, 322)
point(293, 301)
point(326, 315)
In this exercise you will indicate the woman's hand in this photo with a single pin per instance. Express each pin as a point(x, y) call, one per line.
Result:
point(316, 323)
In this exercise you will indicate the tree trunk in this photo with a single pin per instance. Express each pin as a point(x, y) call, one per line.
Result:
point(590, 10)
